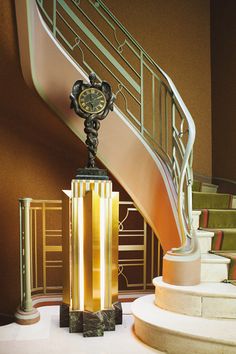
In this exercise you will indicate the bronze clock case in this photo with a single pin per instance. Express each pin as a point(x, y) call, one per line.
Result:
point(92, 100)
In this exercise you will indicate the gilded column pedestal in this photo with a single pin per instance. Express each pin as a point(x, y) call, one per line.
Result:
point(91, 250)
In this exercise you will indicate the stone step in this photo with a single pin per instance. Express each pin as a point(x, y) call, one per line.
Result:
point(218, 218)
point(177, 334)
point(203, 200)
point(214, 268)
point(204, 187)
point(196, 216)
point(205, 240)
point(208, 300)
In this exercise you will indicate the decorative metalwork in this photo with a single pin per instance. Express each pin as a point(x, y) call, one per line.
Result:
point(146, 95)
point(45, 240)
point(93, 110)
point(140, 253)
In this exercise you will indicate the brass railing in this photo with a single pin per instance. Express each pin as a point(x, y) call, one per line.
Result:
point(41, 249)
point(97, 41)
point(140, 252)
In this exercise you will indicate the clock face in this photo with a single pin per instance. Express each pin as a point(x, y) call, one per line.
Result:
point(92, 100)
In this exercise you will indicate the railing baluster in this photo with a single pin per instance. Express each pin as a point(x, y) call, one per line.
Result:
point(54, 18)
point(160, 112)
point(153, 108)
point(129, 66)
point(142, 93)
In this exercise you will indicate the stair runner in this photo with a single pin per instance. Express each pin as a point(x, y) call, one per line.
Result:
point(219, 217)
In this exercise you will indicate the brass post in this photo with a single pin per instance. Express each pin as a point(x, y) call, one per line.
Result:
point(25, 257)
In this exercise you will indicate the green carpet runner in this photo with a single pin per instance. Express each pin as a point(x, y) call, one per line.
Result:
point(211, 200)
point(218, 217)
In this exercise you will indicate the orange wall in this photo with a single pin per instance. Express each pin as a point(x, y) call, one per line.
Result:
point(176, 33)
point(224, 88)
point(39, 154)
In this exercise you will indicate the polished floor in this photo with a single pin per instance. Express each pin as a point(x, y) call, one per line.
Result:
point(45, 337)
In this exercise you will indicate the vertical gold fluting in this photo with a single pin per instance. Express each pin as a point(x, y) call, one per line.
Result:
point(94, 245)
point(92, 288)
point(75, 256)
point(107, 276)
point(66, 240)
point(115, 244)
point(26, 301)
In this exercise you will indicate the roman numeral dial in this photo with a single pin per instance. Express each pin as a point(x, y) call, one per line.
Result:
point(92, 100)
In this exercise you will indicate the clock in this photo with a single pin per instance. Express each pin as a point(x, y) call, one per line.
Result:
point(92, 100)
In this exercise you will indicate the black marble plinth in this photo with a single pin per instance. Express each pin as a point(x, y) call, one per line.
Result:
point(64, 315)
point(91, 173)
point(118, 312)
point(109, 319)
point(93, 325)
point(76, 321)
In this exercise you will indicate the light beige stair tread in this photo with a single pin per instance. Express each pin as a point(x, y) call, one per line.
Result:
point(214, 258)
point(204, 288)
point(210, 330)
point(203, 233)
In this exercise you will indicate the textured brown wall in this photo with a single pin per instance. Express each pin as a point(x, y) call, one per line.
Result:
point(224, 88)
point(38, 158)
point(39, 154)
point(176, 33)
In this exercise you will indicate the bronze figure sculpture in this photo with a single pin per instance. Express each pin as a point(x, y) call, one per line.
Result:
point(92, 101)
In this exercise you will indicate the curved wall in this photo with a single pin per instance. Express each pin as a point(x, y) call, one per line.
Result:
point(176, 34)
point(121, 149)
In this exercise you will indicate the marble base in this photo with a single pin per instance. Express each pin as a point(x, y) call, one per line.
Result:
point(118, 312)
point(91, 173)
point(76, 321)
point(109, 319)
point(64, 315)
point(93, 325)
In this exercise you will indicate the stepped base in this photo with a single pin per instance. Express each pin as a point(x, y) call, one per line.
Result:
point(27, 318)
point(177, 334)
point(91, 173)
point(214, 268)
point(208, 300)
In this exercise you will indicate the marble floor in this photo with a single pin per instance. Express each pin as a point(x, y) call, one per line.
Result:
point(45, 337)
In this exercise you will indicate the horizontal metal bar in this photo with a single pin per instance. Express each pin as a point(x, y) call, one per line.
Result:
point(99, 45)
point(131, 248)
point(53, 248)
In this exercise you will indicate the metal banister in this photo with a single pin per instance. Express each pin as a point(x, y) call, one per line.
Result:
point(168, 126)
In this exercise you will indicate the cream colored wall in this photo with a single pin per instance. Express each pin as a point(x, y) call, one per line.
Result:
point(176, 33)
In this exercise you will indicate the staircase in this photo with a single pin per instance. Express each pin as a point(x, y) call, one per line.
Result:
point(201, 318)
point(218, 216)
point(196, 315)
point(59, 41)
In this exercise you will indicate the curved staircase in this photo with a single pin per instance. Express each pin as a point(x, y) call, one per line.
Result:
point(202, 318)
point(195, 318)
point(161, 139)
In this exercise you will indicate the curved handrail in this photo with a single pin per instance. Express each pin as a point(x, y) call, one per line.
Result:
point(72, 25)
